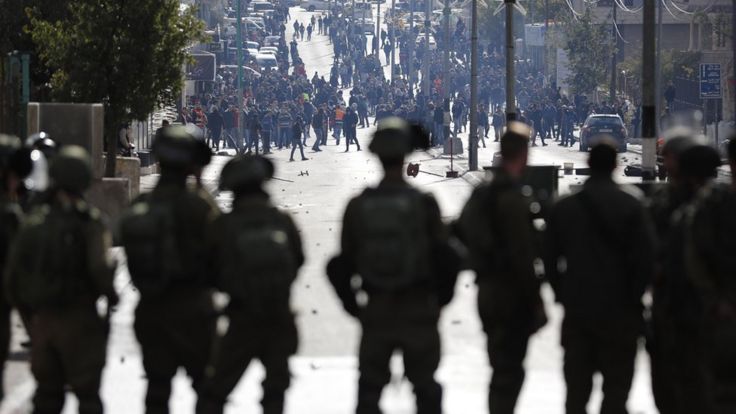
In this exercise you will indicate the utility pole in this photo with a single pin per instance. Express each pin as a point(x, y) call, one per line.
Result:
point(427, 53)
point(733, 47)
point(446, 58)
point(613, 55)
point(378, 30)
point(546, 30)
point(241, 118)
point(411, 41)
point(510, 56)
point(392, 39)
point(473, 137)
point(658, 62)
point(649, 106)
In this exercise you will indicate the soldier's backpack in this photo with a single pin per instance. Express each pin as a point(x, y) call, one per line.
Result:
point(260, 268)
point(148, 234)
point(393, 239)
point(59, 272)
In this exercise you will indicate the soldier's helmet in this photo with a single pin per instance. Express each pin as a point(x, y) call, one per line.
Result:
point(392, 138)
point(42, 149)
point(43, 142)
point(700, 162)
point(245, 173)
point(13, 157)
point(71, 170)
point(181, 147)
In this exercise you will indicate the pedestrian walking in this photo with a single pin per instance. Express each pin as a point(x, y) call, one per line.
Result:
point(350, 123)
point(58, 268)
point(163, 234)
point(606, 238)
point(496, 227)
point(389, 235)
point(257, 276)
point(296, 139)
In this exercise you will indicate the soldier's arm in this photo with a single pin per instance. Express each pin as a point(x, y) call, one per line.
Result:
point(101, 269)
point(16, 265)
point(341, 269)
point(446, 252)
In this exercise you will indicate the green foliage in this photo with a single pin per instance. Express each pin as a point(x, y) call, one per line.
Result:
point(127, 54)
point(589, 47)
point(675, 64)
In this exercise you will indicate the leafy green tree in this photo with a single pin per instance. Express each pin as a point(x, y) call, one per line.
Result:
point(589, 47)
point(127, 54)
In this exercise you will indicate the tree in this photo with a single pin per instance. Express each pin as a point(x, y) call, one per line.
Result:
point(588, 46)
point(127, 54)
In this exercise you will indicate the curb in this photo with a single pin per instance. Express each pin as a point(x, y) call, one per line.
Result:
point(474, 178)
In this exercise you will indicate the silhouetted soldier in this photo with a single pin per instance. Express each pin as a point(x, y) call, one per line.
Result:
point(661, 205)
point(683, 338)
point(164, 238)
point(15, 164)
point(58, 269)
point(712, 231)
point(391, 236)
point(599, 260)
point(256, 252)
point(497, 228)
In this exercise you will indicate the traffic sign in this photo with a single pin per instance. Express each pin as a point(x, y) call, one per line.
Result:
point(710, 81)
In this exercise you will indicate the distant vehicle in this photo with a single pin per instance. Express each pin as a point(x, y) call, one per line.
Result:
point(368, 26)
point(432, 42)
point(597, 126)
point(266, 62)
point(259, 6)
point(312, 5)
point(246, 70)
point(252, 52)
point(271, 41)
point(269, 50)
point(257, 20)
point(252, 45)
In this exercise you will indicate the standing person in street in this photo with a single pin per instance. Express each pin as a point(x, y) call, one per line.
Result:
point(318, 121)
point(296, 139)
point(337, 129)
point(389, 238)
point(498, 122)
point(215, 122)
point(482, 124)
point(58, 268)
point(15, 165)
point(496, 226)
point(284, 121)
point(604, 235)
point(253, 123)
point(163, 234)
point(232, 120)
point(258, 278)
point(350, 123)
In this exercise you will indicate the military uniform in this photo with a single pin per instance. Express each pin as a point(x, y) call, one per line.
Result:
point(163, 234)
point(256, 252)
point(10, 221)
point(391, 236)
point(606, 240)
point(496, 226)
point(712, 266)
point(58, 268)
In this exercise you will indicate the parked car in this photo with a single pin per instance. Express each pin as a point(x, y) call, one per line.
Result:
point(249, 44)
point(266, 62)
point(268, 50)
point(597, 126)
point(312, 5)
point(368, 26)
point(261, 6)
point(271, 41)
point(432, 42)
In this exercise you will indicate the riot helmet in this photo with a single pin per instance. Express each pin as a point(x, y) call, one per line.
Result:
point(71, 170)
point(246, 173)
point(182, 148)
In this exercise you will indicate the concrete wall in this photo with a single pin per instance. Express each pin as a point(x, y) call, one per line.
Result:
point(71, 124)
